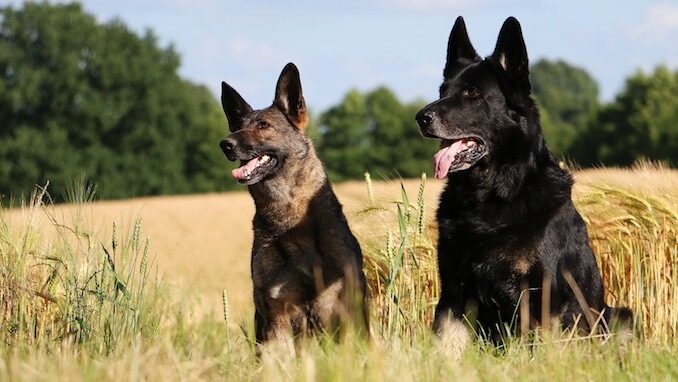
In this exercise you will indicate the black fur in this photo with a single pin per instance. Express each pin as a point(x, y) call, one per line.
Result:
point(508, 220)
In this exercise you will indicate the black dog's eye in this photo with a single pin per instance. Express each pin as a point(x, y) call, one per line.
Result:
point(471, 92)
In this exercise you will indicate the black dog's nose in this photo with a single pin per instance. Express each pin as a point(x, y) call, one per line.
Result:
point(228, 146)
point(424, 117)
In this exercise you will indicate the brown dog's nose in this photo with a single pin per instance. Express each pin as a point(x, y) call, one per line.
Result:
point(424, 117)
point(228, 147)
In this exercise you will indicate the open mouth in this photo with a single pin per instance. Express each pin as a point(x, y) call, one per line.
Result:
point(457, 155)
point(253, 170)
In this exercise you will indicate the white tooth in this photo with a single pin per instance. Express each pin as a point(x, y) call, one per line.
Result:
point(264, 158)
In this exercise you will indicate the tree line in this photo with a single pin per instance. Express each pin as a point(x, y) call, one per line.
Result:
point(82, 97)
point(640, 123)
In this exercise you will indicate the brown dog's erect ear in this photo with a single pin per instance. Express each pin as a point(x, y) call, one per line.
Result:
point(460, 52)
point(289, 98)
point(234, 106)
point(511, 55)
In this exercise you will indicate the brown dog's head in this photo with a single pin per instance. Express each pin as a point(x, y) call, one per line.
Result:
point(263, 140)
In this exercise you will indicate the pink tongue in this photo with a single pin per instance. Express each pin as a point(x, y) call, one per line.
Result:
point(444, 158)
point(241, 172)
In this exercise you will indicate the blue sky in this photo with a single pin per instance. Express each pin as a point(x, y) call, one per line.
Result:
point(340, 45)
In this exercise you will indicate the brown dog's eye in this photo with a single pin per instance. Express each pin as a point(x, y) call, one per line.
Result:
point(263, 125)
point(471, 93)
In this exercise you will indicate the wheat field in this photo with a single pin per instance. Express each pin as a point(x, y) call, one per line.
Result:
point(203, 242)
point(158, 288)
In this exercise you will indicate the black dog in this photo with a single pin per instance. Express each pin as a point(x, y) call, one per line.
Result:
point(510, 238)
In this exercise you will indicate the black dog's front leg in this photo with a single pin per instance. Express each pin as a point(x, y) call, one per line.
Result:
point(258, 326)
point(449, 312)
point(448, 323)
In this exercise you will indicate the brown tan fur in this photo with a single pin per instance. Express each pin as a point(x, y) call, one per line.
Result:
point(306, 263)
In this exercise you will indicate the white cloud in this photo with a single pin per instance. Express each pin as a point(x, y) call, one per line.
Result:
point(659, 23)
point(663, 16)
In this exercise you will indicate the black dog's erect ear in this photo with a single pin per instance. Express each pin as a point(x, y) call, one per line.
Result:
point(289, 98)
point(234, 106)
point(460, 52)
point(511, 55)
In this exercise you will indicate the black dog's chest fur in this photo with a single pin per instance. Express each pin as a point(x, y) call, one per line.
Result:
point(492, 267)
point(497, 281)
point(493, 253)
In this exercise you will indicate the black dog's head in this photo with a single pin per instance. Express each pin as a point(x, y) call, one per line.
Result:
point(484, 106)
point(264, 139)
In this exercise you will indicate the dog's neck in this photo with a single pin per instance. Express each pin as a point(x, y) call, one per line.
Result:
point(521, 189)
point(283, 200)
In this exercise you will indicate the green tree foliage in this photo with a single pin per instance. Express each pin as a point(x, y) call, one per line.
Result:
point(77, 96)
point(642, 122)
point(373, 132)
point(343, 137)
point(567, 97)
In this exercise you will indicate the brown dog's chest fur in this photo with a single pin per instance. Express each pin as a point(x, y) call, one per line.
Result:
point(305, 260)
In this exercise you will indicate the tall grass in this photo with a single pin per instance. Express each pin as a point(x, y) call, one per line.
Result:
point(634, 237)
point(401, 267)
point(61, 285)
point(105, 301)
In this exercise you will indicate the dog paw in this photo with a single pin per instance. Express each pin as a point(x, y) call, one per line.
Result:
point(453, 336)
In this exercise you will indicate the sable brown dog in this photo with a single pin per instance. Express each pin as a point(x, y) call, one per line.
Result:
point(306, 263)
